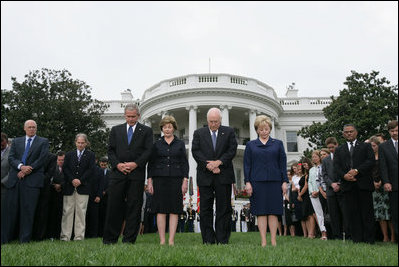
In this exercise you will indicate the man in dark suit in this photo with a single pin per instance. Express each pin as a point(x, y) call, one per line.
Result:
point(104, 197)
point(388, 160)
point(79, 169)
point(27, 158)
point(334, 193)
point(214, 148)
point(353, 163)
point(93, 206)
point(40, 225)
point(129, 150)
point(56, 197)
point(5, 166)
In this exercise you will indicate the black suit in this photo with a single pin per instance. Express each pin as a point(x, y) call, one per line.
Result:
point(40, 224)
point(103, 202)
point(126, 186)
point(55, 205)
point(22, 194)
point(211, 185)
point(334, 201)
point(93, 208)
point(84, 170)
point(388, 160)
point(358, 199)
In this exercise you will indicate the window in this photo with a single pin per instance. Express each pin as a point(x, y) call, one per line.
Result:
point(292, 143)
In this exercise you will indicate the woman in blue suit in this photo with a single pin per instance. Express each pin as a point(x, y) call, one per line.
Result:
point(265, 170)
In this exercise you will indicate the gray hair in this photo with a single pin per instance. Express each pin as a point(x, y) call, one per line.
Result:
point(132, 106)
point(84, 136)
point(26, 122)
point(214, 110)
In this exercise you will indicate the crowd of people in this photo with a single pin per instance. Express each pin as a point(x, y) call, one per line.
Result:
point(340, 193)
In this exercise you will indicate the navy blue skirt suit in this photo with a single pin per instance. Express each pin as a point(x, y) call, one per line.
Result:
point(265, 167)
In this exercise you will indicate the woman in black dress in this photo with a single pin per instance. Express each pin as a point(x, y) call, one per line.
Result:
point(303, 196)
point(167, 178)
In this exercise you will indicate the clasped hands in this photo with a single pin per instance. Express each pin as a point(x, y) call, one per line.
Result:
point(25, 170)
point(127, 167)
point(350, 175)
point(213, 166)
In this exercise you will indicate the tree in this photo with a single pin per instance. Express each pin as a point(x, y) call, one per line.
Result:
point(368, 102)
point(61, 107)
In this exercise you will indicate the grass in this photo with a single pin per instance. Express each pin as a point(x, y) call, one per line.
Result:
point(244, 249)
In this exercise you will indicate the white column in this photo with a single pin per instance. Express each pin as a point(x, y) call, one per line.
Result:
point(192, 126)
point(147, 122)
point(225, 114)
point(273, 133)
point(252, 133)
point(163, 113)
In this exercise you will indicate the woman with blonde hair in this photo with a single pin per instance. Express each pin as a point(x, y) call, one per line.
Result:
point(265, 169)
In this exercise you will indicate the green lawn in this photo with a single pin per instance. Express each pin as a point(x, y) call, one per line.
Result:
point(244, 249)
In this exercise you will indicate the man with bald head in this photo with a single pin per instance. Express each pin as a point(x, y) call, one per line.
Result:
point(214, 148)
point(27, 158)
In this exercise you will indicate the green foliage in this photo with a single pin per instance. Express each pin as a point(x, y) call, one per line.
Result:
point(368, 102)
point(243, 250)
point(61, 107)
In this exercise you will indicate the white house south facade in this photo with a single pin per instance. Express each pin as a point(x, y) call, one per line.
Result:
point(240, 99)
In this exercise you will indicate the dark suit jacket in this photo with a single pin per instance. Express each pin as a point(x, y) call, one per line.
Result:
point(363, 161)
point(168, 160)
point(57, 176)
point(202, 149)
point(83, 170)
point(138, 151)
point(329, 177)
point(265, 162)
point(36, 158)
point(388, 160)
point(97, 183)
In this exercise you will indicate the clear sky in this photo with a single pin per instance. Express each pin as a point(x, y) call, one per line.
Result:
point(113, 46)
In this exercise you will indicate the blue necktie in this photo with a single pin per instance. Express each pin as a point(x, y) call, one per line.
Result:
point(214, 140)
point(129, 134)
point(26, 151)
point(80, 155)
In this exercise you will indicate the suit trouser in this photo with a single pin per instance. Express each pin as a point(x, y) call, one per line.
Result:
point(359, 210)
point(222, 193)
point(76, 204)
point(118, 191)
point(335, 209)
point(92, 218)
point(55, 214)
point(20, 200)
point(41, 214)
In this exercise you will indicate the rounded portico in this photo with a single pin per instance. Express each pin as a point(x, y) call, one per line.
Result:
point(188, 98)
point(241, 99)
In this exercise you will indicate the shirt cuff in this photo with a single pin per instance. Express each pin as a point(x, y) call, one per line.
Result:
point(20, 165)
